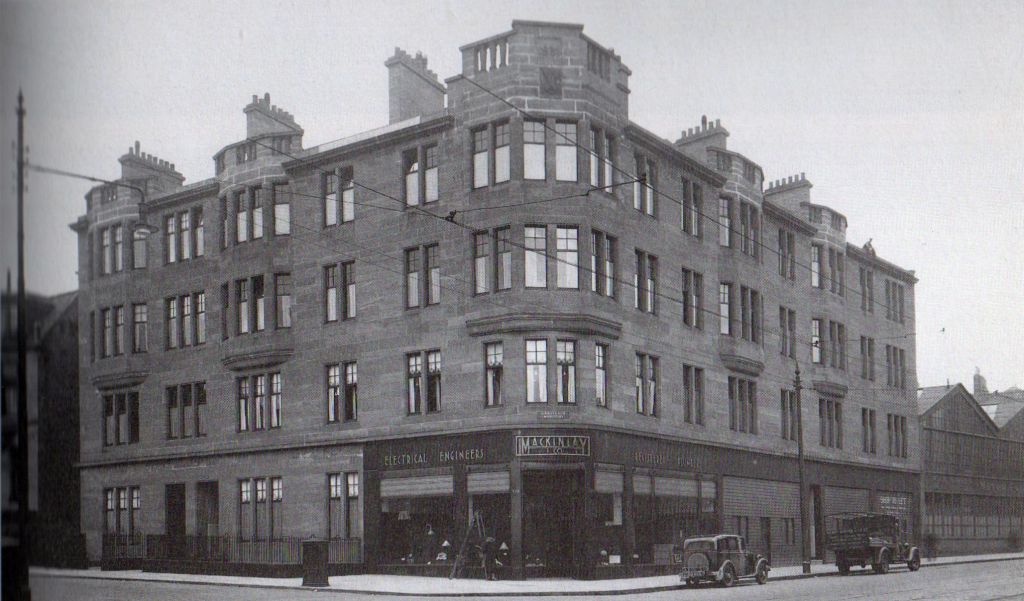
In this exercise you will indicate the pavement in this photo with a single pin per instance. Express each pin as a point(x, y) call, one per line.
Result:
point(420, 586)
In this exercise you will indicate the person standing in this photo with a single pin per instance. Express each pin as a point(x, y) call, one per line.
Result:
point(490, 553)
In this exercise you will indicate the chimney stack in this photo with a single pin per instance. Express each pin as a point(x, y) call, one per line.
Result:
point(980, 386)
point(413, 89)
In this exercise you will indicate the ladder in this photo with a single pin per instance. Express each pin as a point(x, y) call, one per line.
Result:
point(476, 522)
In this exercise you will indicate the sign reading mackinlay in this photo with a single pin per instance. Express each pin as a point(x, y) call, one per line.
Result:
point(534, 446)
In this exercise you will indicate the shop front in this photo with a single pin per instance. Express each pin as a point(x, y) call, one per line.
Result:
point(586, 503)
point(560, 503)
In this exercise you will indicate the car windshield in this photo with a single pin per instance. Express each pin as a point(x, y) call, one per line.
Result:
point(700, 545)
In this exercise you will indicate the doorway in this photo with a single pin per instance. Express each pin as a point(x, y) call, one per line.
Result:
point(766, 538)
point(207, 517)
point(817, 524)
point(174, 519)
point(552, 523)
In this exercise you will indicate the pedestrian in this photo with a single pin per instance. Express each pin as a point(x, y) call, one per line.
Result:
point(490, 553)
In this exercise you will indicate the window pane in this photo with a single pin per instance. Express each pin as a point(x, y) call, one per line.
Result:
point(536, 265)
point(533, 150)
point(536, 371)
point(568, 257)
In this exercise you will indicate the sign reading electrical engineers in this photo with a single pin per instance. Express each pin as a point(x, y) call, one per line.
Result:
point(533, 446)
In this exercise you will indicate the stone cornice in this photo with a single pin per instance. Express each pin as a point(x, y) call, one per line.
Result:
point(516, 323)
point(743, 365)
point(788, 219)
point(124, 379)
point(257, 359)
point(893, 270)
point(685, 161)
point(830, 388)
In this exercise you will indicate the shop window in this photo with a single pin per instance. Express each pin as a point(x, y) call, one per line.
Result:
point(418, 530)
point(664, 515)
point(494, 511)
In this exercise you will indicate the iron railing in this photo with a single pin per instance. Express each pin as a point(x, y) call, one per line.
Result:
point(345, 550)
point(222, 549)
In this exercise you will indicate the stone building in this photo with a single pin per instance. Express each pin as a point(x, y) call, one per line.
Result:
point(972, 473)
point(52, 397)
point(512, 301)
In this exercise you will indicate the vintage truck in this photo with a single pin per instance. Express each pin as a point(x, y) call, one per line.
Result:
point(722, 558)
point(869, 538)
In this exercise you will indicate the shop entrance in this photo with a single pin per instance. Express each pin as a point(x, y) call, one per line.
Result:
point(552, 522)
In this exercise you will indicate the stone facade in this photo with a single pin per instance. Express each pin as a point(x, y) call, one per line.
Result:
point(535, 72)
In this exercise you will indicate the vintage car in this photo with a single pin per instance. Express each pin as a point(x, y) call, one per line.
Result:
point(722, 558)
point(869, 538)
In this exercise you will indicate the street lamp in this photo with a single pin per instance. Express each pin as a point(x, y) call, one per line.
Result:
point(805, 535)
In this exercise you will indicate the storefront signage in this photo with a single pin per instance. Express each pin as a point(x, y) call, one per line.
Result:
point(547, 445)
point(894, 504)
point(424, 459)
point(661, 458)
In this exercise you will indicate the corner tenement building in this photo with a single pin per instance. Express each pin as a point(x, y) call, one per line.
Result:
point(517, 303)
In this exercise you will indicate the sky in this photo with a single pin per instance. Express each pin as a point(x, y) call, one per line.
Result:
point(908, 117)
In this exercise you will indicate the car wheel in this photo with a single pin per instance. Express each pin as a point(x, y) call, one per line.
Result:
point(691, 582)
point(728, 576)
point(882, 567)
point(762, 574)
point(915, 562)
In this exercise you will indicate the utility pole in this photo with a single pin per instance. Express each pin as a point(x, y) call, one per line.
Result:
point(22, 587)
point(805, 534)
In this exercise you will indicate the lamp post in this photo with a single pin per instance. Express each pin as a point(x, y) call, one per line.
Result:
point(805, 535)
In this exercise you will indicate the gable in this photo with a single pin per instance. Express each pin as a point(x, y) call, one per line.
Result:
point(958, 412)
